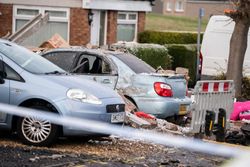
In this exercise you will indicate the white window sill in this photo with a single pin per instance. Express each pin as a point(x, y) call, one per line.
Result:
point(179, 10)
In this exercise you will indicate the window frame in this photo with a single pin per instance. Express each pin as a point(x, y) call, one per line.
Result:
point(169, 6)
point(182, 6)
point(129, 22)
point(42, 10)
point(88, 55)
point(58, 55)
point(5, 66)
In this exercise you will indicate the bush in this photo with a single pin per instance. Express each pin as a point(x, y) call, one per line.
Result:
point(184, 56)
point(245, 90)
point(167, 37)
point(154, 56)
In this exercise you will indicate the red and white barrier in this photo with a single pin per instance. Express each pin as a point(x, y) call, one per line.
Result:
point(216, 86)
point(211, 95)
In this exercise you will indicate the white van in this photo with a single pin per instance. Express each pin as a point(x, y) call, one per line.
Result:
point(215, 47)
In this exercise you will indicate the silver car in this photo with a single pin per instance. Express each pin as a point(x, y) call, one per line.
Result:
point(29, 80)
point(154, 93)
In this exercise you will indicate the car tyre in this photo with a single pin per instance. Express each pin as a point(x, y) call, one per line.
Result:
point(37, 132)
point(177, 119)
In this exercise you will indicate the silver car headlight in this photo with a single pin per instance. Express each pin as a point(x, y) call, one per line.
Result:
point(80, 95)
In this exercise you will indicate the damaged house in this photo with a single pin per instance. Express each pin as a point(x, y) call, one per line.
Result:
point(79, 22)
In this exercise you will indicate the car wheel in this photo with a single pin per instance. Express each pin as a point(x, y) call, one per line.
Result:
point(37, 132)
point(177, 119)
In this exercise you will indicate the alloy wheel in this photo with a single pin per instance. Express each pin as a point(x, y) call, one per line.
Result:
point(36, 130)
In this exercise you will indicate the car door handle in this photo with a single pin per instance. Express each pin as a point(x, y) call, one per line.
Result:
point(106, 81)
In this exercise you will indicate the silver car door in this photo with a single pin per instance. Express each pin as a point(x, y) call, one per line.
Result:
point(97, 68)
point(4, 90)
point(86, 64)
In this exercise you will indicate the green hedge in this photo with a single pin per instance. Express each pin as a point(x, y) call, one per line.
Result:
point(245, 87)
point(153, 56)
point(167, 37)
point(184, 56)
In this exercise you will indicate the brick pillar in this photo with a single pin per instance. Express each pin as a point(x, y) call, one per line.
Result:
point(79, 27)
point(6, 19)
point(111, 27)
point(141, 21)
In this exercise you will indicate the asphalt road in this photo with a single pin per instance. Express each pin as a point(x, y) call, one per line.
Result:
point(100, 152)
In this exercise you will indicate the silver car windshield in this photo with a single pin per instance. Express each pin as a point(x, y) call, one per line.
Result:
point(28, 60)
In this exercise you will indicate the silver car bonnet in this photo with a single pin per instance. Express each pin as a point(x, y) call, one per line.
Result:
point(72, 81)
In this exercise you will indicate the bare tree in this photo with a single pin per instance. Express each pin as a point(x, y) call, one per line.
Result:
point(238, 42)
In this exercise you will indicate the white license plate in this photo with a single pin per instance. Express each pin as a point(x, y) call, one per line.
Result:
point(117, 117)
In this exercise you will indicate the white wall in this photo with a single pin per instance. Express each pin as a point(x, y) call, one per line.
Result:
point(56, 3)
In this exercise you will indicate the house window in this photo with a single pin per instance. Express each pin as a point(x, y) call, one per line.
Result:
point(179, 6)
point(169, 6)
point(58, 23)
point(126, 26)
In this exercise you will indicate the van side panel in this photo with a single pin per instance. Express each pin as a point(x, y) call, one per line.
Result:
point(216, 44)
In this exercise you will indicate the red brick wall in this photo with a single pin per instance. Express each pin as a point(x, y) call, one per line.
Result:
point(111, 27)
point(141, 21)
point(5, 19)
point(216, 7)
point(79, 27)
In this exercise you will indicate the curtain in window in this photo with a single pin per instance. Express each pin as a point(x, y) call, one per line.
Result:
point(125, 32)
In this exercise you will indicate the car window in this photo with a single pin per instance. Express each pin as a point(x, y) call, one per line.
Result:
point(12, 74)
point(1, 67)
point(123, 69)
point(136, 64)
point(62, 59)
point(92, 64)
point(28, 60)
point(106, 68)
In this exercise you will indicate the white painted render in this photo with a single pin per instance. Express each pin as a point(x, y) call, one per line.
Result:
point(120, 5)
point(50, 3)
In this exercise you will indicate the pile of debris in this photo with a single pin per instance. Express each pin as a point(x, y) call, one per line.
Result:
point(178, 71)
point(135, 118)
point(56, 41)
point(139, 119)
point(239, 133)
point(240, 124)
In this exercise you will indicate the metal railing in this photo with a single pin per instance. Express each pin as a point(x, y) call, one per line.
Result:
point(211, 98)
